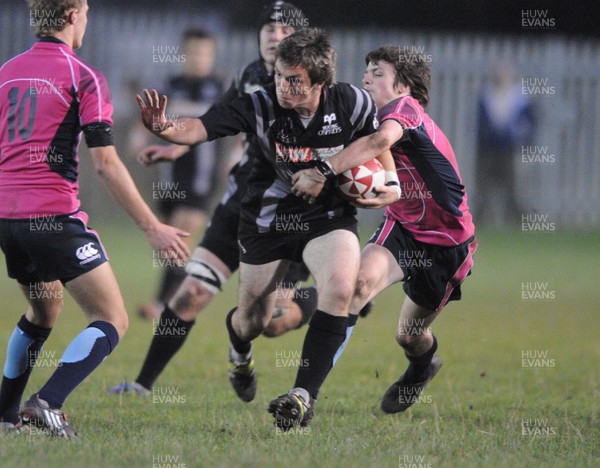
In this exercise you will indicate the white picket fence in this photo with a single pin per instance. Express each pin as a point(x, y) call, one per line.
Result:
point(567, 190)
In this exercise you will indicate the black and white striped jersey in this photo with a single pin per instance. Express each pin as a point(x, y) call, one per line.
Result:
point(287, 145)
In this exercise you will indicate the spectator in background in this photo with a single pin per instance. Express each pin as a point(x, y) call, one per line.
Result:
point(505, 123)
point(185, 189)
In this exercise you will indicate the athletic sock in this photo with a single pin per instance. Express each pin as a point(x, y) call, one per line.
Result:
point(169, 336)
point(324, 336)
point(352, 319)
point(22, 351)
point(418, 368)
point(171, 280)
point(240, 346)
point(84, 354)
point(307, 299)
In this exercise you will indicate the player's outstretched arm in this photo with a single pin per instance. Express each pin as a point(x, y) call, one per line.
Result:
point(119, 183)
point(184, 131)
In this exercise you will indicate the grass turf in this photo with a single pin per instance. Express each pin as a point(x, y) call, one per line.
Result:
point(486, 407)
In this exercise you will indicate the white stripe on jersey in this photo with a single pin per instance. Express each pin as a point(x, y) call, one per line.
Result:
point(96, 81)
point(359, 114)
point(38, 80)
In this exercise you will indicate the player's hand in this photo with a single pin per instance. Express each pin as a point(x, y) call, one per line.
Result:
point(307, 184)
point(385, 196)
point(155, 153)
point(168, 241)
point(154, 112)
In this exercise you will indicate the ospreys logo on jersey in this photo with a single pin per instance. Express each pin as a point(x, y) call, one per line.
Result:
point(329, 128)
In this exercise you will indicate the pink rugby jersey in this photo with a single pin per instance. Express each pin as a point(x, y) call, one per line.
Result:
point(433, 206)
point(48, 96)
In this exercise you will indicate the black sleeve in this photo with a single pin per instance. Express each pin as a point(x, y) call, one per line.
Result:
point(98, 134)
point(237, 116)
point(367, 122)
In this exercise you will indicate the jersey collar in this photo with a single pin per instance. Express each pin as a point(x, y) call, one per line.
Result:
point(51, 39)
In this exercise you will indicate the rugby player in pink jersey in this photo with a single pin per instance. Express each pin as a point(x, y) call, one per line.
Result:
point(427, 238)
point(48, 97)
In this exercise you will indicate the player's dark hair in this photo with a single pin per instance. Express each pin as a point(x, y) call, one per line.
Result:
point(412, 69)
point(310, 49)
point(197, 34)
point(50, 16)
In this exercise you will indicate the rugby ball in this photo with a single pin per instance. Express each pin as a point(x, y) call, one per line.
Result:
point(360, 181)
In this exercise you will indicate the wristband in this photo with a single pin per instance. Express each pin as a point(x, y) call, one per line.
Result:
point(325, 169)
point(391, 178)
point(392, 181)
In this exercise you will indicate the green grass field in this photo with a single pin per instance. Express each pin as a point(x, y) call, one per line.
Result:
point(520, 384)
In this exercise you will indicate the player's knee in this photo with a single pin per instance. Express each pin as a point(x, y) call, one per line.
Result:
point(272, 330)
point(409, 339)
point(191, 298)
point(339, 289)
point(253, 323)
point(121, 324)
point(52, 309)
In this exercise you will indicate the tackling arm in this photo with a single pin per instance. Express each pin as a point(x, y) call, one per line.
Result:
point(308, 183)
point(366, 148)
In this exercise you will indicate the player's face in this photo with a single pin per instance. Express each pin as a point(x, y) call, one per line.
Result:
point(271, 34)
point(294, 89)
point(80, 23)
point(378, 81)
point(200, 57)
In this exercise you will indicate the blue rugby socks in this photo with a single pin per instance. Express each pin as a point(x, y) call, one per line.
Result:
point(82, 356)
point(23, 349)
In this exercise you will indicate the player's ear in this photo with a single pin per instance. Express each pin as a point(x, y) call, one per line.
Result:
point(401, 88)
point(71, 16)
point(318, 86)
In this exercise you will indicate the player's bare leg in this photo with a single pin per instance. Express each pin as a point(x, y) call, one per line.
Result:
point(378, 270)
point(189, 220)
point(336, 277)
point(286, 316)
point(97, 293)
point(45, 302)
point(256, 299)
point(335, 280)
point(419, 345)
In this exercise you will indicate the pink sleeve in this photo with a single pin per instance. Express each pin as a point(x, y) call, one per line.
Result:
point(94, 95)
point(407, 112)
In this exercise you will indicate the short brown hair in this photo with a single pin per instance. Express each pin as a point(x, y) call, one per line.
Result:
point(50, 16)
point(310, 49)
point(411, 68)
